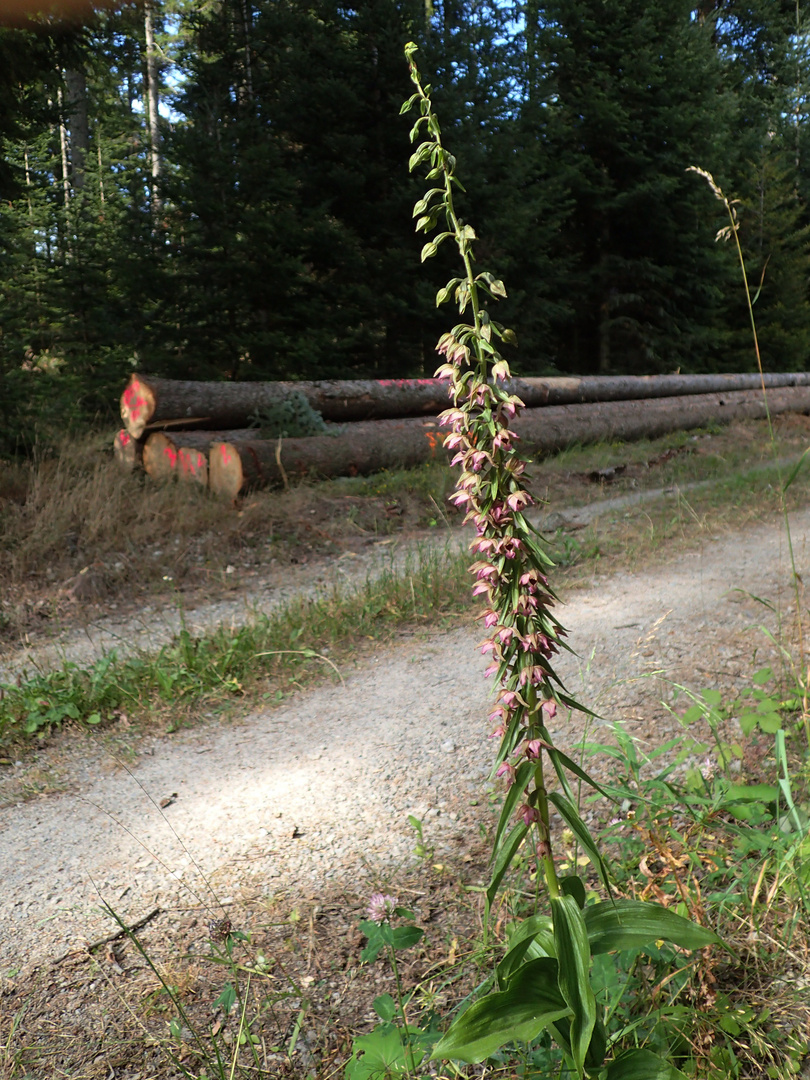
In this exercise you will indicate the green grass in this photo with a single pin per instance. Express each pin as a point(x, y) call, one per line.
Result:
point(268, 657)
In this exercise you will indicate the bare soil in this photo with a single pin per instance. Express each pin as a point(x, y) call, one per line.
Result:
point(287, 819)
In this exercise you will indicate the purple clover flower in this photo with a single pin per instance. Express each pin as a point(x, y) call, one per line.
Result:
point(381, 907)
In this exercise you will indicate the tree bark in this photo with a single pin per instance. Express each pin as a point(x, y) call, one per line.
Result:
point(150, 403)
point(76, 83)
point(153, 97)
point(369, 446)
point(184, 455)
point(364, 447)
point(128, 452)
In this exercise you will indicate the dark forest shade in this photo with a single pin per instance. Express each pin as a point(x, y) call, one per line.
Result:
point(265, 230)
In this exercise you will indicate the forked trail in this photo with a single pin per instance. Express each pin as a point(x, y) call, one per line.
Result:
point(318, 791)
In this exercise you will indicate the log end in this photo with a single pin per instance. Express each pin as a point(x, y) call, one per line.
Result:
point(225, 474)
point(192, 466)
point(128, 452)
point(137, 406)
point(160, 457)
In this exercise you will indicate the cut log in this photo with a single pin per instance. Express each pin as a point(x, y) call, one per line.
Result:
point(128, 452)
point(358, 449)
point(369, 446)
point(151, 402)
point(573, 390)
point(183, 455)
point(550, 429)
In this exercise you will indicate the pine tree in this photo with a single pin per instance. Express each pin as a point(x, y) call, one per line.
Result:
point(631, 95)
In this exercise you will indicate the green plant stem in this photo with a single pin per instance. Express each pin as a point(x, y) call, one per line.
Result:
point(411, 1065)
point(783, 499)
point(547, 858)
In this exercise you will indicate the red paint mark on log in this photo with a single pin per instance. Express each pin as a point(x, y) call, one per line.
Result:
point(226, 457)
point(433, 440)
point(191, 461)
point(171, 454)
point(123, 438)
point(133, 401)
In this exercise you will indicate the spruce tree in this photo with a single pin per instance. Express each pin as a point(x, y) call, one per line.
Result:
point(632, 94)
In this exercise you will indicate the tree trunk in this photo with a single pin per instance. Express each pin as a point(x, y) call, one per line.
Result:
point(153, 96)
point(370, 446)
point(184, 455)
point(550, 429)
point(63, 149)
point(128, 451)
point(153, 403)
point(76, 83)
point(365, 447)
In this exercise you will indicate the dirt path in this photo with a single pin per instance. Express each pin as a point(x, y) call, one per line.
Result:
point(318, 791)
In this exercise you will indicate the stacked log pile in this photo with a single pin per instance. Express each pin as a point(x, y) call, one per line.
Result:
point(196, 431)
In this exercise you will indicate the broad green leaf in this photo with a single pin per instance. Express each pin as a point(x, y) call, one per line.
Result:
point(568, 812)
point(381, 1053)
point(518, 1014)
point(385, 1007)
point(532, 939)
point(770, 723)
point(765, 793)
point(506, 853)
point(642, 1065)
point(573, 886)
point(634, 924)
point(561, 1031)
point(374, 932)
point(406, 936)
point(574, 958)
point(513, 796)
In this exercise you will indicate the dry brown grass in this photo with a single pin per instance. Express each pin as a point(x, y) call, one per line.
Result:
point(76, 534)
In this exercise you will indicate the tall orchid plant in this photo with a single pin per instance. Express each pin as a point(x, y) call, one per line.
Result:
point(544, 980)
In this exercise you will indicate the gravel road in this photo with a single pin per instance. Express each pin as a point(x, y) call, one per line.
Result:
point(319, 789)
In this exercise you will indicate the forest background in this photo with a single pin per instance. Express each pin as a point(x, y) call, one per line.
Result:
point(219, 189)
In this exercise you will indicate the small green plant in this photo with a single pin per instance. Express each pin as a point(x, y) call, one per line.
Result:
point(544, 983)
point(421, 850)
point(290, 417)
point(395, 1047)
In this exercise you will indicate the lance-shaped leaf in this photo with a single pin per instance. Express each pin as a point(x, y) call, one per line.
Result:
point(523, 774)
point(517, 1014)
point(574, 959)
point(561, 1033)
point(633, 924)
point(562, 761)
point(507, 852)
point(642, 1065)
point(568, 812)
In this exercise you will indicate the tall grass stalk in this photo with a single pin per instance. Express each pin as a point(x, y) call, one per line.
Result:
point(728, 231)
